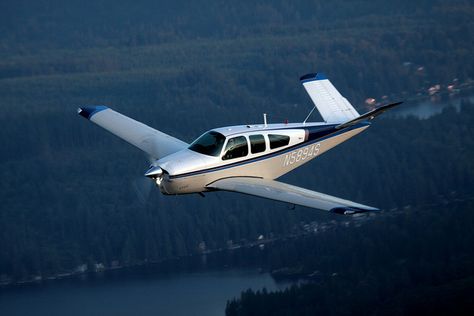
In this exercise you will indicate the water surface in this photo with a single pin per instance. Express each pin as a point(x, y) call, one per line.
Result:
point(137, 291)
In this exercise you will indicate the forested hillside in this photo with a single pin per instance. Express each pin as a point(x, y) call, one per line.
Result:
point(411, 262)
point(69, 189)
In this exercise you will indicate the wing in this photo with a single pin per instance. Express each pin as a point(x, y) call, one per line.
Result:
point(279, 191)
point(332, 106)
point(153, 142)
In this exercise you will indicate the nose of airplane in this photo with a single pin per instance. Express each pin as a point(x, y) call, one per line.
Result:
point(154, 172)
point(158, 175)
point(182, 162)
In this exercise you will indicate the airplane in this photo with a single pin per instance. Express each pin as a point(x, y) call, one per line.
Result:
point(248, 158)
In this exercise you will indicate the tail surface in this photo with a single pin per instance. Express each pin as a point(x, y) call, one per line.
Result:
point(369, 115)
point(332, 106)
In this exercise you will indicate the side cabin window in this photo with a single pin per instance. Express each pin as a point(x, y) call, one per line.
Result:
point(257, 144)
point(236, 147)
point(277, 141)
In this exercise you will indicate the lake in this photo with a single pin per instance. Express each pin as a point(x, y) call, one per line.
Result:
point(427, 108)
point(145, 290)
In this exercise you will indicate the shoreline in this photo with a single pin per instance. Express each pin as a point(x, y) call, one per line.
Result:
point(311, 228)
point(97, 267)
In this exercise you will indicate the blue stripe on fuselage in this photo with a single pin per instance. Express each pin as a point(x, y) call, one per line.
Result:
point(315, 134)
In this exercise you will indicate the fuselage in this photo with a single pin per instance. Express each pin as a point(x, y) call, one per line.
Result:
point(250, 151)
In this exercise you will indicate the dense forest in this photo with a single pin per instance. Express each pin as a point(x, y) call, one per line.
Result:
point(70, 191)
point(410, 262)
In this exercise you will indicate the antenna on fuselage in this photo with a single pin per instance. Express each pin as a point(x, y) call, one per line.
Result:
point(265, 119)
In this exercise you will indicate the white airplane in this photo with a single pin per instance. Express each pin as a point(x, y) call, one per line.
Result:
point(248, 158)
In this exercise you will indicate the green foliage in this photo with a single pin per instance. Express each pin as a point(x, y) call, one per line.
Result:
point(411, 262)
point(67, 187)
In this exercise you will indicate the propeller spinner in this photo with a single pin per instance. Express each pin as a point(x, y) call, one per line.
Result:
point(155, 173)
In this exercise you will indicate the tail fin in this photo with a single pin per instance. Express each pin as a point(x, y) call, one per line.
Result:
point(332, 106)
point(369, 115)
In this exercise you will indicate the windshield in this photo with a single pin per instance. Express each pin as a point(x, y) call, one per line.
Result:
point(209, 144)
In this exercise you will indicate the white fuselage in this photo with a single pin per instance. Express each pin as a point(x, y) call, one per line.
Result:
point(189, 171)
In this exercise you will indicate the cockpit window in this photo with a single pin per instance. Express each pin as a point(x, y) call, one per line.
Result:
point(209, 144)
point(278, 140)
point(236, 147)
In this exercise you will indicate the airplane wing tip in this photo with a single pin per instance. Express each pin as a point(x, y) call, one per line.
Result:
point(313, 77)
point(89, 111)
point(348, 210)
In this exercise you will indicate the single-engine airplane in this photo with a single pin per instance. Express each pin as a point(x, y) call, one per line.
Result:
point(248, 158)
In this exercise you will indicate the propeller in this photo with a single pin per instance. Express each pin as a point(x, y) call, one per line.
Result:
point(143, 186)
